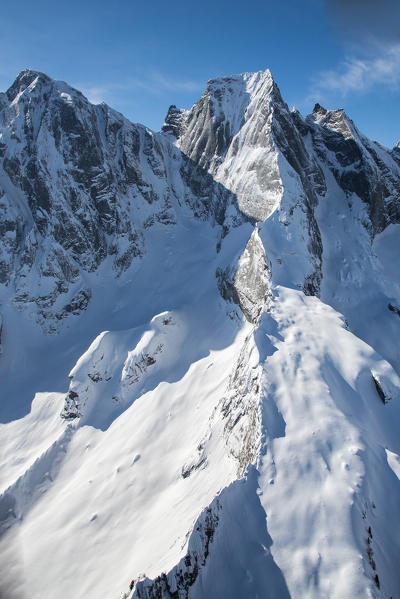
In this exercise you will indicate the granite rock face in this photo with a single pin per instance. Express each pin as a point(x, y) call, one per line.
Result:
point(276, 162)
point(228, 133)
point(248, 285)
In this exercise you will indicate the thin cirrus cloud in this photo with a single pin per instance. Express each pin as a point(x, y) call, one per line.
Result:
point(359, 75)
point(370, 32)
point(154, 84)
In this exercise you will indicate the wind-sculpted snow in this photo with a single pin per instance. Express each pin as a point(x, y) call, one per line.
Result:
point(324, 467)
point(118, 367)
point(216, 564)
point(224, 296)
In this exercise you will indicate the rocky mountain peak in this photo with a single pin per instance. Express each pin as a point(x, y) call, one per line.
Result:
point(24, 80)
point(237, 131)
point(318, 109)
point(238, 97)
point(173, 120)
point(234, 111)
point(334, 120)
point(259, 82)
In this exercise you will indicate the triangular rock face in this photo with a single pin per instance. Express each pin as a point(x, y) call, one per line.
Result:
point(224, 298)
point(243, 133)
point(229, 133)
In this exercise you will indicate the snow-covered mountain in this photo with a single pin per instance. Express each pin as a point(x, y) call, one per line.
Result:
point(207, 322)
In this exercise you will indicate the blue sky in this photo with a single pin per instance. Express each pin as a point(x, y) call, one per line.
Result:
point(140, 57)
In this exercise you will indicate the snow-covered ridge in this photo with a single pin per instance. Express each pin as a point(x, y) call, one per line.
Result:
point(80, 185)
point(119, 366)
point(216, 409)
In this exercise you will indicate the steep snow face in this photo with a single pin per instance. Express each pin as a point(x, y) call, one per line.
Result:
point(230, 422)
point(164, 455)
point(326, 430)
point(322, 475)
point(119, 367)
point(79, 184)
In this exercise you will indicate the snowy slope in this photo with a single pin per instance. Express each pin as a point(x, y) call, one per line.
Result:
point(207, 322)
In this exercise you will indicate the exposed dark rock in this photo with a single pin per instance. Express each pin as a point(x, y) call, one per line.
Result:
point(79, 302)
point(140, 365)
point(226, 284)
point(200, 463)
point(95, 377)
point(177, 583)
point(394, 309)
point(385, 398)
point(362, 171)
point(24, 80)
point(71, 406)
point(173, 121)
point(8, 512)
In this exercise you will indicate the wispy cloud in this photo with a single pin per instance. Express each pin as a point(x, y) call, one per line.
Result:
point(370, 32)
point(96, 94)
point(153, 83)
point(359, 75)
point(157, 81)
